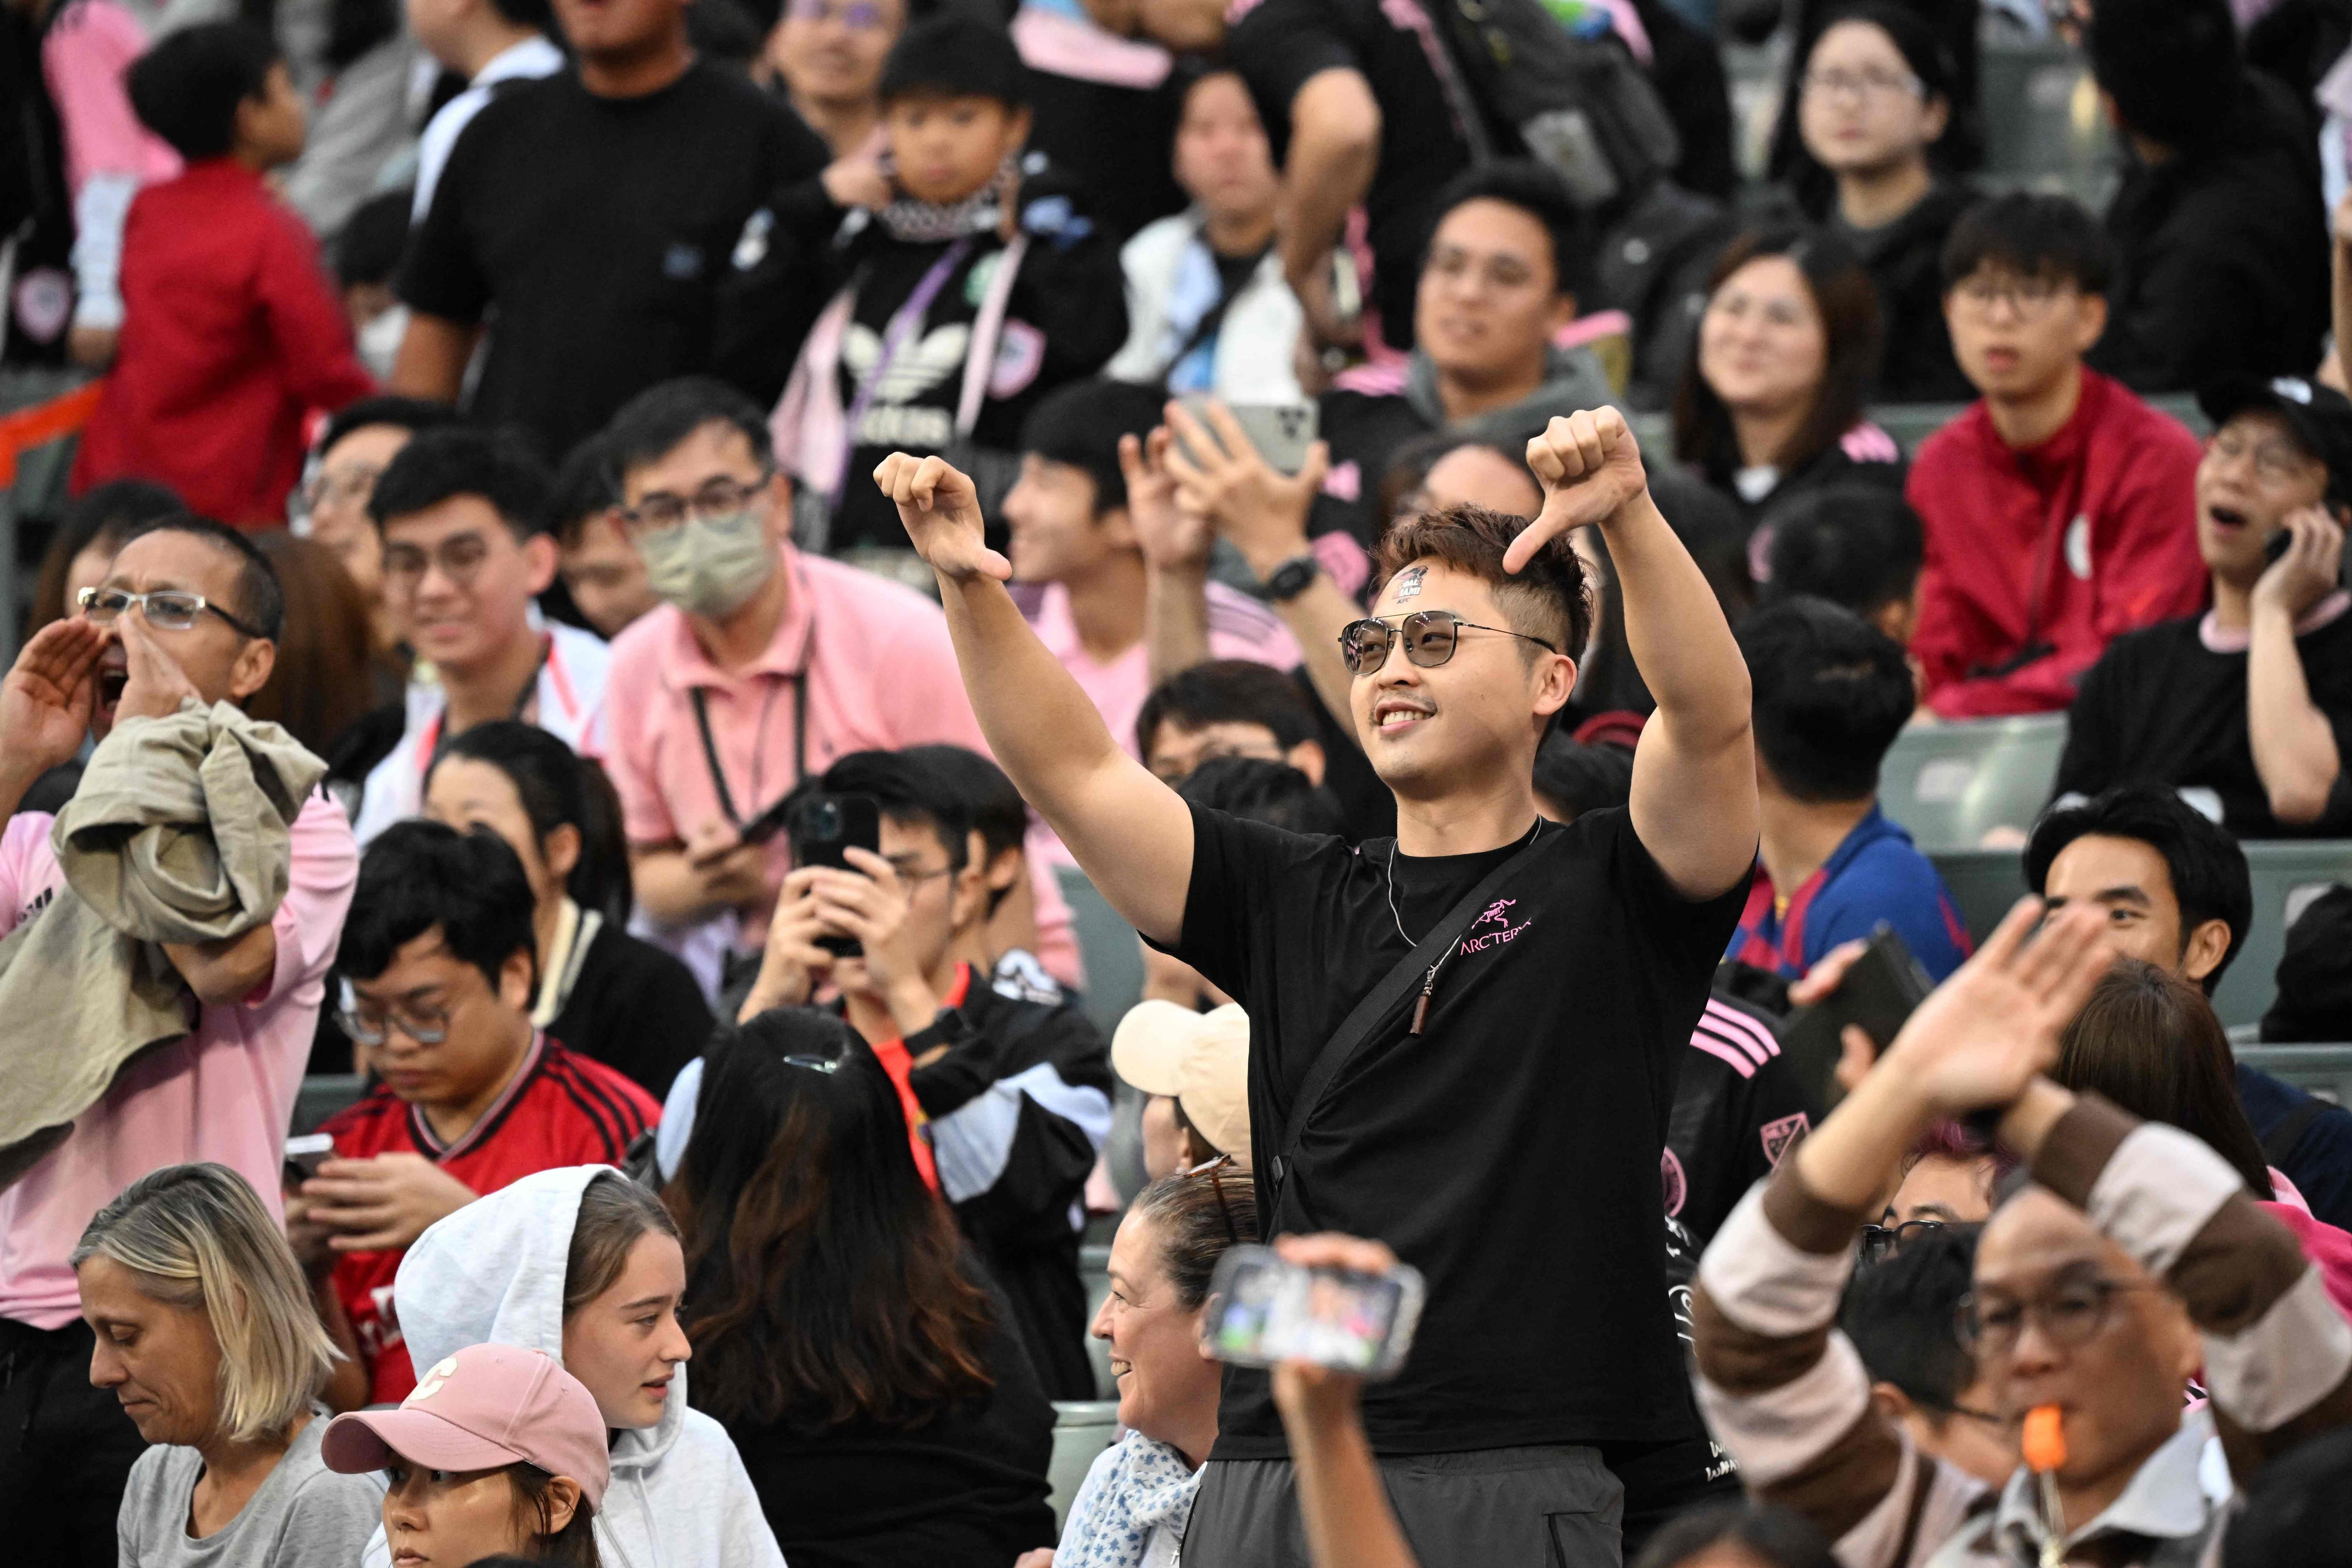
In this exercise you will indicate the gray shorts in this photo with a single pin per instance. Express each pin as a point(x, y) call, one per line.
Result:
point(1496, 1507)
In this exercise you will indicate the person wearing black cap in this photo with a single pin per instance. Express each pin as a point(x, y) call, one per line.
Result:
point(2247, 709)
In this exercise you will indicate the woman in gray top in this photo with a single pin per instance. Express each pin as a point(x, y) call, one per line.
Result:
point(207, 1334)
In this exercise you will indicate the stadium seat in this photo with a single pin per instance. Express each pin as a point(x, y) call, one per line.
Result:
point(2323, 1070)
point(322, 1096)
point(1950, 783)
point(2287, 874)
point(1108, 945)
point(1093, 1274)
point(1984, 884)
point(1081, 1431)
point(1911, 423)
point(2043, 128)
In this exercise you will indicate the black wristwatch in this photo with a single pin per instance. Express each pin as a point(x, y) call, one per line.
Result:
point(1292, 578)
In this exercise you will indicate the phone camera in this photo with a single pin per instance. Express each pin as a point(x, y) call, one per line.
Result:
point(825, 821)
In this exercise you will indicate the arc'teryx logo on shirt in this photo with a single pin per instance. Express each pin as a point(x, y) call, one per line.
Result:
point(1497, 914)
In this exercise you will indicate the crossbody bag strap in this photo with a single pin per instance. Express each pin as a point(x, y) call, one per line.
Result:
point(1383, 999)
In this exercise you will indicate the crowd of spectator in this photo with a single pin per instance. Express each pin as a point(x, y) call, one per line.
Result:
point(658, 598)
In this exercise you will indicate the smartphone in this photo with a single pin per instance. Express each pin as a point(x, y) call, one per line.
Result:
point(304, 1155)
point(2283, 539)
point(825, 829)
point(1262, 1311)
point(1878, 993)
point(1281, 432)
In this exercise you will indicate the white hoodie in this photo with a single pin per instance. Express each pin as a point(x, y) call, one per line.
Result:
point(492, 1273)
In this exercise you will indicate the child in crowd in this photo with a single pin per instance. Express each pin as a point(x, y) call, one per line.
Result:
point(974, 285)
point(439, 961)
point(2059, 510)
point(231, 333)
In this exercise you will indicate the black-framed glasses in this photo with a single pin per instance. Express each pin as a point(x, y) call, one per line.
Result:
point(661, 511)
point(459, 557)
point(371, 1025)
point(2070, 1313)
point(1429, 636)
point(167, 610)
point(1214, 1170)
point(1880, 1243)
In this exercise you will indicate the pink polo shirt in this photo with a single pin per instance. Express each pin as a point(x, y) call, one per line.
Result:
point(880, 675)
point(1240, 627)
point(225, 1093)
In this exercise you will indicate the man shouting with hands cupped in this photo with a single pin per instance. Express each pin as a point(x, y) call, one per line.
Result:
point(190, 609)
point(1462, 1041)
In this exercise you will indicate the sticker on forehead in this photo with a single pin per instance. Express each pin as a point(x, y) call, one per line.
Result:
point(1409, 582)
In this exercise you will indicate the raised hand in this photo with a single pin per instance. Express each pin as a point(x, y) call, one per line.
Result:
point(1590, 467)
point(940, 511)
point(1174, 537)
point(46, 698)
point(1219, 472)
point(2309, 569)
point(157, 683)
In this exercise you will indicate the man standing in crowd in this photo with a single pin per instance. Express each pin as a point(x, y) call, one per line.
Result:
point(463, 553)
point(2058, 511)
point(589, 219)
point(225, 1091)
point(2247, 708)
point(1831, 693)
point(1502, 1119)
point(2177, 895)
point(762, 666)
point(487, 42)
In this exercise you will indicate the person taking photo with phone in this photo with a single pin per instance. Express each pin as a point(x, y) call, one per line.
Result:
point(1495, 1107)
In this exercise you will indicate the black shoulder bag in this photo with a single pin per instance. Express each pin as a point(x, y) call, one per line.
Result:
point(1417, 969)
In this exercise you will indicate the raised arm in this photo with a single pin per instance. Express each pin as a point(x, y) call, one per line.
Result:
point(1129, 831)
point(1694, 802)
point(2294, 744)
point(1335, 149)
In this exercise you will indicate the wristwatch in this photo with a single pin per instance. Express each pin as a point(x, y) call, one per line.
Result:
point(1291, 578)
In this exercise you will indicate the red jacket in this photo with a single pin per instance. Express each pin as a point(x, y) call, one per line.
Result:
point(232, 332)
point(2064, 546)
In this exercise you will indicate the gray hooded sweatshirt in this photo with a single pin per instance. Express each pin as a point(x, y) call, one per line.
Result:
point(492, 1273)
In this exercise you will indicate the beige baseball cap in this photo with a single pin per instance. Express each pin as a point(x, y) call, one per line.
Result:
point(1201, 1058)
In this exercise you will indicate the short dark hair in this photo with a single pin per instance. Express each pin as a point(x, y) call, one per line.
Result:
point(1898, 1313)
point(413, 414)
point(955, 56)
point(1858, 546)
point(1547, 598)
point(2210, 880)
point(186, 89)
point(1537, 190)
point(260, 596)
point(586, 485)
point(2171, 67)
point(1226, 691)
point(557, 787)
point(652, 425)
point(1257, 790)
point(909, 790)
point(1832, 693)
point(1853, 331)
point(1764, 1532)
point(420, 874)
point(451, 461)
point(2050, 237)
point(1576, 779)
point(1081, 424)
point(992, 806)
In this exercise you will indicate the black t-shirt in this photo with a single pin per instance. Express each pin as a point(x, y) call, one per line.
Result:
point(2160, 708)
point(598, 228)
point(1738, 1110)
point(1510, 1152)
point(636, 1009)
point(1280, 44)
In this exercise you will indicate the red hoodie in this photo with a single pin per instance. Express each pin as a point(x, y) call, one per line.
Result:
point(2062, 546)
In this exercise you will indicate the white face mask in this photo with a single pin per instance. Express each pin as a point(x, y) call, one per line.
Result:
point(709, 567)
point(379, 341)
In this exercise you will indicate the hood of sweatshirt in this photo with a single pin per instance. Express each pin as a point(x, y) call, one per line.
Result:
point(1573, 380)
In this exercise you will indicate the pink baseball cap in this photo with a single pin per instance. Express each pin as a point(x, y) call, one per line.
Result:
point(485, 1408)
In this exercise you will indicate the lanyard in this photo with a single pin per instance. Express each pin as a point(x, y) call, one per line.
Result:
point(903, 322)
point(429, 740)
point(799, 679)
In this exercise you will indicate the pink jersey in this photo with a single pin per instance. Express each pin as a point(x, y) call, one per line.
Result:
point(224, 1093)
point(1239, 628)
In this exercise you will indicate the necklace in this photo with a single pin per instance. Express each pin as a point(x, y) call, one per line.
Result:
point(1429, 982)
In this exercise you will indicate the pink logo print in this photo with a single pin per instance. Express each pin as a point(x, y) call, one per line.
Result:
point(1495, 916)
point(1784, 1135)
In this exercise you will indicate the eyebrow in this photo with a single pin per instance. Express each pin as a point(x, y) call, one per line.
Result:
point(659, 1297)
point(2126, 894)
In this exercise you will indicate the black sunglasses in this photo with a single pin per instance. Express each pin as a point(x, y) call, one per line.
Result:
point(1429, 636)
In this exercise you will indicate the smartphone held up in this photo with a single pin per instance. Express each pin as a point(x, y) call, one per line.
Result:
point(1263, 1310)
point(826, 827)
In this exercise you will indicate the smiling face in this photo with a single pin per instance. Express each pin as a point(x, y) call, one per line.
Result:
point(222, 663)
point(1761, 344)
point(946, 149)
point(831, 51)
point(462, 582)
point(1164, 1381)
point(162, 1362)
point(1862, 109)
point(447, 1518)
point(1056, 535)
point(625, 1346)
point(1432, 731)
point(2254, 471)
point(1489, 300)
point(1223, 160)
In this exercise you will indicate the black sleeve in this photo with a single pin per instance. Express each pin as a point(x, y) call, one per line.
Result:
point(1232, 901)
point(664, 1012)
point(1688, 934)
point(1072, 288)
point(784, 269)
point(1277, 48)
point(441, 273)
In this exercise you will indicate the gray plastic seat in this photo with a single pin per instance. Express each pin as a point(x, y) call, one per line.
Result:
point(2323, 1070)
point(1951, 783)
point(1113, 957)
point(1081, 1431)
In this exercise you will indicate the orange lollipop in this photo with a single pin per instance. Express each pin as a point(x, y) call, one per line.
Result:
point(2045, 1439)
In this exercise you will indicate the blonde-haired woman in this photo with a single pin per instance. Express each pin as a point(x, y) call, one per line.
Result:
point(207, 1334)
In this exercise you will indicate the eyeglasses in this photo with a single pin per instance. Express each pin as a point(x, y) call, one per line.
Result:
point(913, 872)
point(827, 1065)
point(860, 16)
point(1429, 638)
point(2071, 1313)
point(1864, 84)
point(370, 1025)
point(340, 486)
point(168, 611)
point(459, 557)
point(1215, 1171)
point(2274, 463)
point(2029, 296)
point(661, 511)
point(1880, 1243)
